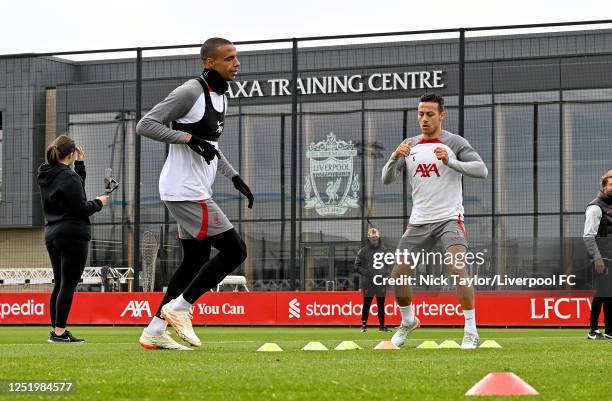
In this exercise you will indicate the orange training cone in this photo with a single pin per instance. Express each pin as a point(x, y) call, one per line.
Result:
point(386, 345)
point(501, 383)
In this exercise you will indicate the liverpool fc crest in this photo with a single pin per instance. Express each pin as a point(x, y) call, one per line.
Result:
point(331, 170)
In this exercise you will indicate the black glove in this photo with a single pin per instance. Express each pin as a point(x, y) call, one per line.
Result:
point(243, 189)
point(203, 148)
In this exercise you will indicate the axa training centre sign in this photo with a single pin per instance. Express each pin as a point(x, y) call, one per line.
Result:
point(332, 187)
point(376, 82)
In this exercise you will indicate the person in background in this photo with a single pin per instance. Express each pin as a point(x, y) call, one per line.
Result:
point(364, 267)
point(67, 228)
point(597, 226)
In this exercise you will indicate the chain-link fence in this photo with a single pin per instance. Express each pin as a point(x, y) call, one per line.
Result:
point(534, 101)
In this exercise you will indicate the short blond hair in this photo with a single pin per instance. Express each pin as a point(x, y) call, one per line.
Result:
point(373, 232)
point(605, 178)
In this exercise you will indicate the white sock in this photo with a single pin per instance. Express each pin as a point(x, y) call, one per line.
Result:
point(179, 304)
point(156, 327)
point(470, 321)
point(407, 314)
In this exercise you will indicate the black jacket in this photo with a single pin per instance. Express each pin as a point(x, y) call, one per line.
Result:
point(364, 267)
point(65, 205)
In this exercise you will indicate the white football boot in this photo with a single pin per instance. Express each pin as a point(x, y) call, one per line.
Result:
point(164, 341)
point(181, 321)
point(402, 332)
point(470, 340)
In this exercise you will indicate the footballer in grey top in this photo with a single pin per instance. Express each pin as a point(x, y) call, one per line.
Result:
point(436, 186)
point(186, 176)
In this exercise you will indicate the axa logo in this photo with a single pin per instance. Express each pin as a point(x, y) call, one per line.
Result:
point(137, 309)
point(426, 170)
point(294, 309)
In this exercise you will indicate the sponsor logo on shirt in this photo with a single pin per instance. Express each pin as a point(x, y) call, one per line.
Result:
point(426, 170)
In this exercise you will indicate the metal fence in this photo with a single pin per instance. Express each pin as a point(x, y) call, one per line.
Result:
point(536, 105)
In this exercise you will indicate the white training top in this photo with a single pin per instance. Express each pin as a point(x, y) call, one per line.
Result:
point(185, 176)
point(436, 188)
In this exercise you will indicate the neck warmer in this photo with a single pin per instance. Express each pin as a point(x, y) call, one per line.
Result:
point(215, 81)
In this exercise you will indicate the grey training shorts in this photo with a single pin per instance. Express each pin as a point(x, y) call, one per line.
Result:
point(424, 236)
point(198, 219)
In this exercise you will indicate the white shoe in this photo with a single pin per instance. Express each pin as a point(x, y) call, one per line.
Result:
point(470, 340)
point(402, 332)
point(181, 321)
point(164, 341)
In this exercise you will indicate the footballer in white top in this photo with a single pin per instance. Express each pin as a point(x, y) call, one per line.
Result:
point(435, 162)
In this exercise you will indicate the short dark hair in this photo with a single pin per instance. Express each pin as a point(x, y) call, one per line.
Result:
point(209, 48)
point(433, 98)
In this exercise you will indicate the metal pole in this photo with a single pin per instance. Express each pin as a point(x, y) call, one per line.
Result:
point(561, 167)
point(283, 190)
point(461, 80)
point(535, 170)
point(404, 173)
point(534, 249)
point(364, 189)
point(294, 111)
point(136, 246)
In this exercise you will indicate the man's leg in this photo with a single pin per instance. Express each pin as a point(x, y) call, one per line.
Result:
point(403, 297)
point(380, 301)
point(596, 305)
point(465, 293)
point(365, 311)
point(415, 239)
point(195, 254)
point(453, 237)
point(608, 317)
point(232, 252)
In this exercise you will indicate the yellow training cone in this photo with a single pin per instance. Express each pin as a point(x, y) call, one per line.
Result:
point(270, 347)
point(490, 344)
point(314, 346)
point(428, 345)
point(347, 345)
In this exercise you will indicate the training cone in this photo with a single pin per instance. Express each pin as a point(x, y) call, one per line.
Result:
point(386, 345)
point(428, 345)
point(270, 347)
point(490, 344)
point(314, 346)
point(449, 344)
point(346, 346)
point(501, 383)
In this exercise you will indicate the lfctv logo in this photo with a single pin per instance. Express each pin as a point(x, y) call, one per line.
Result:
point(28, 308)
point(561, 308)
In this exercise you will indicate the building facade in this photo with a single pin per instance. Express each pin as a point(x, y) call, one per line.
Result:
point(538, 109)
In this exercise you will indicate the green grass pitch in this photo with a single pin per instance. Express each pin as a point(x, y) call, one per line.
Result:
point(560, 363)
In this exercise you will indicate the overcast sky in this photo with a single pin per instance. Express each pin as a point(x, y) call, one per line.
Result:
point(63, 25)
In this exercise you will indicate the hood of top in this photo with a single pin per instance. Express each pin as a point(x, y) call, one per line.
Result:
point(48, 172)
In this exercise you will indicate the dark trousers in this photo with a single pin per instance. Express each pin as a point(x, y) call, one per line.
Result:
point(367, 301)
point(197, 273)
point(68, 257)
point(602, 298)
point(596, 306)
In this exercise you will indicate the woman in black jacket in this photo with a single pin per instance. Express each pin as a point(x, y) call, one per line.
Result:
point(68, 230)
